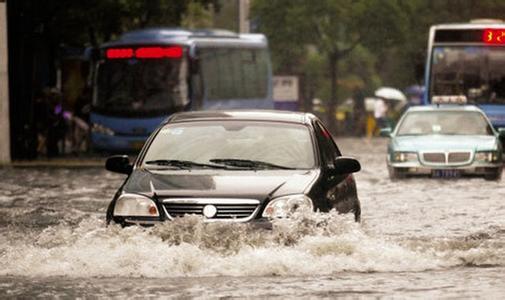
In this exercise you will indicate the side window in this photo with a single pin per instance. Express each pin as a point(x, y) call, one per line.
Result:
point(329, 149)
point(234, 73)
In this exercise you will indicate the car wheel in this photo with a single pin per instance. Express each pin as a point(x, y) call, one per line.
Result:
point(495, 175)
point(395, 173)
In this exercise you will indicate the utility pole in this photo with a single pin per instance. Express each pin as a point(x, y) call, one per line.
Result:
point(5, 145)
point(243, 16)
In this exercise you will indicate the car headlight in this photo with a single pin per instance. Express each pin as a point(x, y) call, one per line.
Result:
point(133, 205)
point(98, 128)
point(404, 157)
point(487, 156)
point(285, 206)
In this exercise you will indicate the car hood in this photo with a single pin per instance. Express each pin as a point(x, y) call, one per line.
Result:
point(229, 184)
point(444, 143)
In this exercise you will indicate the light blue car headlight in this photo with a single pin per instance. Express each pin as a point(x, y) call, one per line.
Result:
point(285, 206)
point(488, 156)
point(404, 157)
point(134, 205)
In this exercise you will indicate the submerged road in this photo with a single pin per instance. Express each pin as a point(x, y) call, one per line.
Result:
point(419, 238)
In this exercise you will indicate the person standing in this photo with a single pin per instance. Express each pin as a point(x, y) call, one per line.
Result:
point(82, 108)
point(57, 126)
point(381, 113)
point(41, 115)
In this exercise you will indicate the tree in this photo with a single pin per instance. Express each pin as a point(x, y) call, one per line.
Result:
point(334, 27)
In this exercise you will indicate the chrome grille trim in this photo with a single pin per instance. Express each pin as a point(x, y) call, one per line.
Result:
point(211, 201)
point(447, 158)
point(228, 209)
point(434, 157)
point(458, 157)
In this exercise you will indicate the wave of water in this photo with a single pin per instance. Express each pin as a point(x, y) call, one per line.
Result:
point(314, 244)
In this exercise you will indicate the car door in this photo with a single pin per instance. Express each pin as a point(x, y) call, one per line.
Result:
point(339, 191)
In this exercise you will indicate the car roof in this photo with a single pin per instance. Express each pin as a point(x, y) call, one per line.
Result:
point(242, 115)
point(445, 107)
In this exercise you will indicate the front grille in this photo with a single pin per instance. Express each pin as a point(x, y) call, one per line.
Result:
point(434, 157)
point(459, 157)
point(225, 209)
point(447, 158)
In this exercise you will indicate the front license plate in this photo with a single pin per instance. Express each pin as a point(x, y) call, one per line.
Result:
point(445, 173)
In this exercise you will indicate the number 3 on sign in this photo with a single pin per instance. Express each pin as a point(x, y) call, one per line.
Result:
point(494, 36)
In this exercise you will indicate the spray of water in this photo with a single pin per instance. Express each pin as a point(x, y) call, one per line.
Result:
point(312, 244)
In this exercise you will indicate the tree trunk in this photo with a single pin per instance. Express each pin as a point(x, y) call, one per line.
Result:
point(330, 110)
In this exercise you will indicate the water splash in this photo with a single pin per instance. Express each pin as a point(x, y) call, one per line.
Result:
point(314, 244)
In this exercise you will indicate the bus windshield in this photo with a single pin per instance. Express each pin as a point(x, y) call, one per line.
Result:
point(478, 72)
point(141, 86)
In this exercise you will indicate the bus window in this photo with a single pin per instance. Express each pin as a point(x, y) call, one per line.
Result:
point(233, 73)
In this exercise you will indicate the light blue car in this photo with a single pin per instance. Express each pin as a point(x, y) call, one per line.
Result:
point(445, 141)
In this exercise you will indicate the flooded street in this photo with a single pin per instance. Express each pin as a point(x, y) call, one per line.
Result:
point(419, 238)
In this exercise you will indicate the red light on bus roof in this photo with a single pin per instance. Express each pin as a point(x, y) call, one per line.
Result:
point(144, 52)
point(159, 52)
point(119, 53)
point(493, 36)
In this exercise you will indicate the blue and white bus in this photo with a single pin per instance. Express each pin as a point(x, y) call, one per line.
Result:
point(469, 60)
point(146, 75)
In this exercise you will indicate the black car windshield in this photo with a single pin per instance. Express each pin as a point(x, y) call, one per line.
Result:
point(148, 86)
point(444, 122)
point(234, 143)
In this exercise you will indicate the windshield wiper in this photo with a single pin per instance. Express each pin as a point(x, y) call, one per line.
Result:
point(182, 164)
point(247, 163)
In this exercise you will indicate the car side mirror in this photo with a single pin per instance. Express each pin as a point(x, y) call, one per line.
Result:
point(386, 132)
point(119, 164)
point(346, 165)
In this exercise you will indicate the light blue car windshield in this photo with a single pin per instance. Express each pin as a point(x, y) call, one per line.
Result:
point(444, 122)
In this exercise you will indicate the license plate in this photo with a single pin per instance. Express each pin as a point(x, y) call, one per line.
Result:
point(445, 173)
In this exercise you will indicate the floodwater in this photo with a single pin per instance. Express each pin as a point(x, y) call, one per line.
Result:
point(419, 238)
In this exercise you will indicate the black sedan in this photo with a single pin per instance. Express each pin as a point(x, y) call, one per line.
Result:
point(234, 166)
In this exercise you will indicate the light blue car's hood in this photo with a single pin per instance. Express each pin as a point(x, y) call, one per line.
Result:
point(444, 143)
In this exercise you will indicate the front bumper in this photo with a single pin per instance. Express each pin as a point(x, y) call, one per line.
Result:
point(260, 223)
point(472, 169)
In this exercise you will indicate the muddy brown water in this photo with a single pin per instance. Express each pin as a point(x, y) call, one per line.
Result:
point(419, 238)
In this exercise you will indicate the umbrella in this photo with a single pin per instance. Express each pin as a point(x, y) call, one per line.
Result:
point(388, 93)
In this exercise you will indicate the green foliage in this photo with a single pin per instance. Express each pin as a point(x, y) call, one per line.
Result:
point(82, 22)
point(334, 30)
point(375, 41)
point(197, 16)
